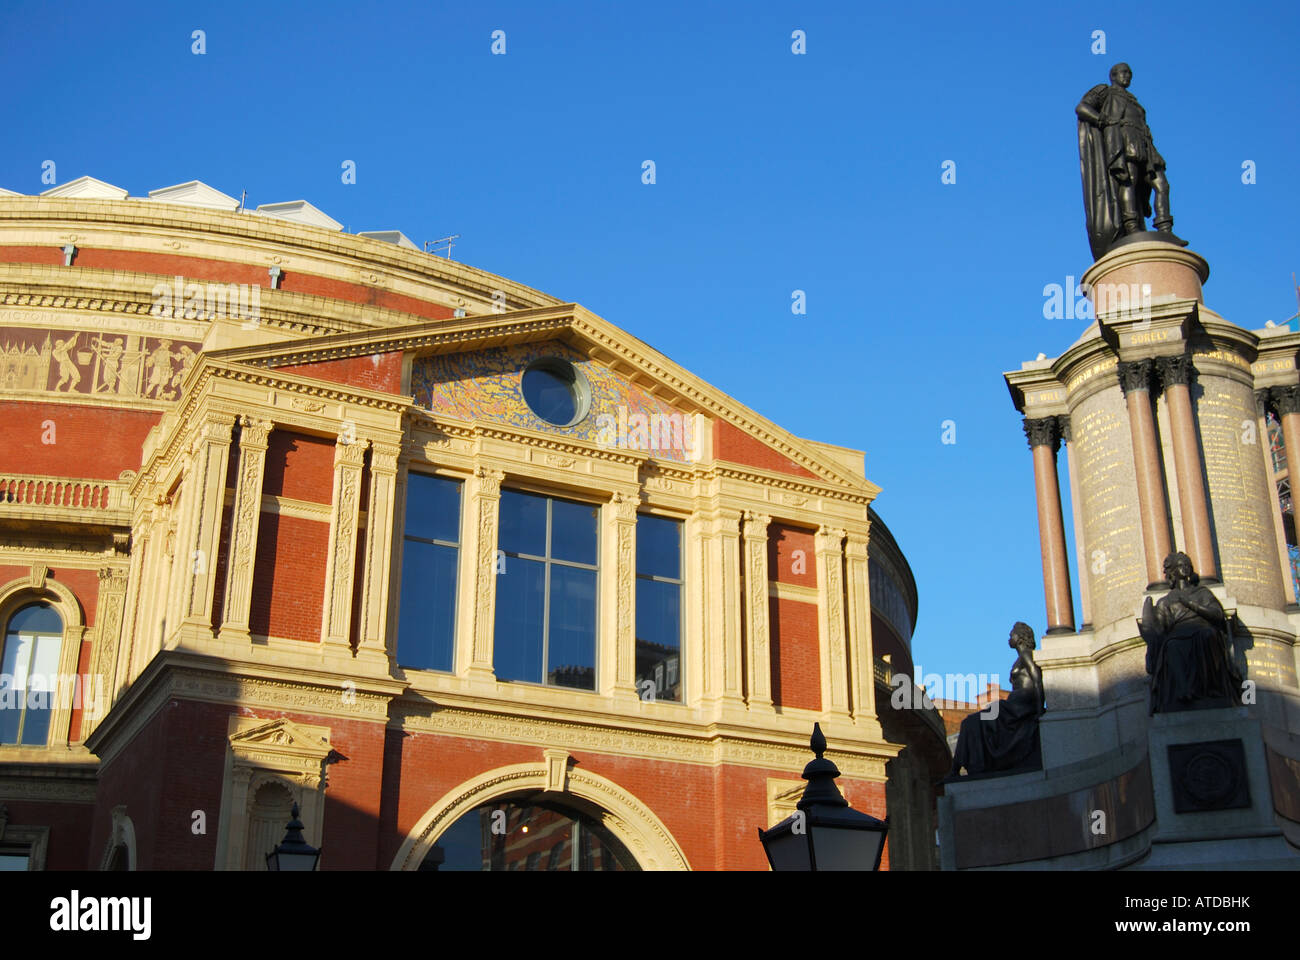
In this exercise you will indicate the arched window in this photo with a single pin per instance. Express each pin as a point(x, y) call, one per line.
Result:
point(29, 667)
point(524, 834)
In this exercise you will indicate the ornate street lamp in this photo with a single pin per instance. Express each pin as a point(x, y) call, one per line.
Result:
point(293, 853)
point(824, 832)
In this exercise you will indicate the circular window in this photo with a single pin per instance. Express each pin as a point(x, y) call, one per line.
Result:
point(556, 391)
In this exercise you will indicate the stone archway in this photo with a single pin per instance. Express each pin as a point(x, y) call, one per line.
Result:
point(621, 812)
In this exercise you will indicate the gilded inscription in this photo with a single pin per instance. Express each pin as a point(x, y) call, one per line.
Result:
point(1111, 555)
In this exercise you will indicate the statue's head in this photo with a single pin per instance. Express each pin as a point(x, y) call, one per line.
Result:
point(1121, 74)
point(1021, 634)
point(1178, 567)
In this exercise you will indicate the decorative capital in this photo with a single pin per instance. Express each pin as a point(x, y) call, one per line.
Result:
point(625, 506)
point(1134, 375)
point(1286, 400)
point(828, 539)
point(1176, 371)
point(383, 456)
point(350, 450)
point(217, 427)
point(756, 525)
point(1063, 424)
point(254, 432)
point(489, 481)
point(1043, 432)
point(1263, 401)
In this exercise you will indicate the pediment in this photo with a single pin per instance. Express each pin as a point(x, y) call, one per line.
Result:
point(196, 193)
point(281, 736)
point(300, 211)
point(468, 368)
point(86, 188)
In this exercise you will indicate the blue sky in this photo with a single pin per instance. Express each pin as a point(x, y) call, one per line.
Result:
point(775, 172)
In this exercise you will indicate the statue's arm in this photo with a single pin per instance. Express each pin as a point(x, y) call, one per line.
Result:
point(1207, 605)
point(1089, 108)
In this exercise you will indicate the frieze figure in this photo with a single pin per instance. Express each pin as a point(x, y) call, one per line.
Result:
point(1189, 652)
point(1121, 167)
point(1004, 737)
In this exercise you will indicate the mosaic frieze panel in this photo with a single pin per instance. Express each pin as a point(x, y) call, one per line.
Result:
point(99, 363)
point(487, 385)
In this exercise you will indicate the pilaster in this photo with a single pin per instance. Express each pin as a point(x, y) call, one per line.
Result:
point(857, 581)
point(341, 556)
point(254, 438)
point(207, 488)
point(758, 657)
point(618, 597)
point(830, 606)
point(477, 619)
point(380, 520)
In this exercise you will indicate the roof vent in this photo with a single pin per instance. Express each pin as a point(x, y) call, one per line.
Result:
point(389, 236)
point(196, 193)
point(300, 211)
point(86, 188)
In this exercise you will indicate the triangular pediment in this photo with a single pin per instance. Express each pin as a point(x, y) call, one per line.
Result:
point(195, 193)
point(9, 193)
point(86, 188)
point(300, 211)
point(281, 733)
point(626, 367)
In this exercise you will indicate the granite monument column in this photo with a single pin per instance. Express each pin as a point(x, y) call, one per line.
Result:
point(1176, 375)
point(1044, 439)
point(1135, 381)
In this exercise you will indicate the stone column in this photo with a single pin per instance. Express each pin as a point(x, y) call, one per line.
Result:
point(857, 578)
point(1135, 381)
point(830, 608)
point(758, 656)
point(380, 519)
point(1176, 375)
point(1044, 436)
point(208, 487)
point(341, 556)
point(476, 622)
point(110, 611)
point(254, 438)
point(724, 605)
point(1085, 572)
point(618, 598)
point(1263, 400)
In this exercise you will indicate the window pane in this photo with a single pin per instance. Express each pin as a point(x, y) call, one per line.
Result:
point(518, 644)
point(36, 618)
point(573, 531)
point(12, 861)
point(427, 629)
point(658, 638)
point(572, 646)
point(523, 523)
point(432, 507)
point(658, 547)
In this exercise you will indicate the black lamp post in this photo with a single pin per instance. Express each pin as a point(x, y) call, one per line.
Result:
point(293, 853)
point(824, 832)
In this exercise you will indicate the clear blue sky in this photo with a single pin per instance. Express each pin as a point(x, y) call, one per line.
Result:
point(775, 173)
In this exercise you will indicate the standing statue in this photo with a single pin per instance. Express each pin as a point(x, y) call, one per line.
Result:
point(1189, 656)
point(1121, 167)
point(1004, 737)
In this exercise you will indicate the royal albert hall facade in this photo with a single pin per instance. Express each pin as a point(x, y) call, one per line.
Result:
point(475, 578)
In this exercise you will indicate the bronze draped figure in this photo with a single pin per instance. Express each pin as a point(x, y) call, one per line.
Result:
point(1004, 737)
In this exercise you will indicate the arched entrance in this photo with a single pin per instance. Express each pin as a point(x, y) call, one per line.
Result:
point(583, 815)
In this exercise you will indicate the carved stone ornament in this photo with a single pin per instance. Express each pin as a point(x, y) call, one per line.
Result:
point(1134, 375)
point(1043, 432)
point(1286, 400)
point(1176, 371)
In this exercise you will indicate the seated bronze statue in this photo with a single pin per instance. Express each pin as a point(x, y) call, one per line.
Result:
point(1189, 656)
point(1004, 737)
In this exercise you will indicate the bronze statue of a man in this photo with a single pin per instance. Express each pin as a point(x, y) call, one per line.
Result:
point(1120, 166)
point(1189, 656)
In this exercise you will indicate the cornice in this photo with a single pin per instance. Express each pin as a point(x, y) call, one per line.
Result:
point(136, 214)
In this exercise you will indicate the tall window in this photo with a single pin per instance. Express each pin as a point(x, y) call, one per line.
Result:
point(426, 629)
point(658, 608)
point(29, 667)
point(546, 591)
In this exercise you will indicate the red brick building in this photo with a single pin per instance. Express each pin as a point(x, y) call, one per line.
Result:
point(474, 577)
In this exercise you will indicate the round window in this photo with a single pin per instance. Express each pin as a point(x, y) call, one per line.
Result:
point(556, 391)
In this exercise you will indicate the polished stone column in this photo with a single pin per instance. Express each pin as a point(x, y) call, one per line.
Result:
point(1085, 570)
point(1135, 381)
point(1044, 436)
point(834, 648)
point(1263, 401)
point(1176, 375)
point(254, 438)
point(758, 656)
point(341, 557)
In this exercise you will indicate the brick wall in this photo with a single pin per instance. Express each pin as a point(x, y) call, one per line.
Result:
point(378, 371)
point(733, 445)
point(96, 443)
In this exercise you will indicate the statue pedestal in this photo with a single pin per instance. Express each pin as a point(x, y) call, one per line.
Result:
point(1157, 270)
point(1213, 801)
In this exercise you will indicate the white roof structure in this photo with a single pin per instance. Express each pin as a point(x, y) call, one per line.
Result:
point(196, 193)
point(86, 188)
point(389, 236)
point(299, 211)
point(9, 193)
